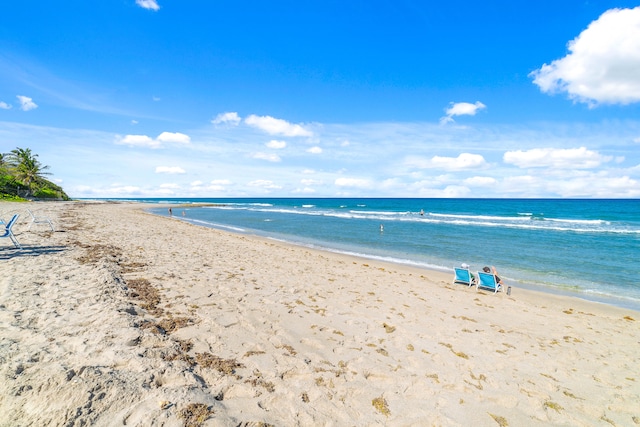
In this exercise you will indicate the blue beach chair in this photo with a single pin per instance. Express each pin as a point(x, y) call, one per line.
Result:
point(8, 233)
point(463, 276)
point(488, 281)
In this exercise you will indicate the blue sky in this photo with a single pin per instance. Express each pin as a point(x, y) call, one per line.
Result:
point(204, 98)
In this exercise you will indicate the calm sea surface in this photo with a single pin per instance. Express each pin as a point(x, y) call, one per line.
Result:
point(585, 248)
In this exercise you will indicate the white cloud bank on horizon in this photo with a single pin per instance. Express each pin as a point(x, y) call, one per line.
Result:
point(386, 160)
point(461, 109)
point(148, 4)
point(603, 64)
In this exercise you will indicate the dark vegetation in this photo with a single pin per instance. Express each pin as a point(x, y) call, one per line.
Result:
point(22, 176)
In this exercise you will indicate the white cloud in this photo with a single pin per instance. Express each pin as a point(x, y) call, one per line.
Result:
point(314, 150)
point(455, 191)
point(305, 190)
point(170, 186)
point(5, 106)
point(636, 140)
point(124, 190)
point(145, 141)
point(262, 183)
point(599, 184)
point(218, 185)
point(163, 192)
point(309, 182)
point(26, 103)
point(221, 182)
point(462, 162)
point(134, 122)
point(603, 65)
point(270, 157)
point(170, 169)
point(397, 160)
point(137, 141)
point(392, 184)
point(148, 4)
point(461, 109)
point(353, 182)
point(275, 126)
point(276, 145)
point(480, 181)
point(429, 188)
point(572, 158)
point(175, 137)
point(224, 118)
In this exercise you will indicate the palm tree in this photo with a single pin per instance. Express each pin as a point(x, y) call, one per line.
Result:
point(26, 167)
point(5, 178)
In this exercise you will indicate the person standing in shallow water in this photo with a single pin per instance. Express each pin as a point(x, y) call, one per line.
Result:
point(170, 212)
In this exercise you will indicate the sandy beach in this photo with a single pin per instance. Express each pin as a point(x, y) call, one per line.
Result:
point(119, 317)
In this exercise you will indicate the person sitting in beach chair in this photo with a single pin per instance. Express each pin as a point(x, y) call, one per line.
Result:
point(489, 280)
point(463, 275)
point(495, 273)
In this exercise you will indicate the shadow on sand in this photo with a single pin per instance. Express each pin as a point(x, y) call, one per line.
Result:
point(9, 252)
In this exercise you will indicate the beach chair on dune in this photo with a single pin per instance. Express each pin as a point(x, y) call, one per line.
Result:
point(39, 220)
point(463, 276)
point(488, 281)
point(8, 233)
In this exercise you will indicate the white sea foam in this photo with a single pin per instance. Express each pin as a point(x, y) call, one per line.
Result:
point(216, 225)
point(520, 221)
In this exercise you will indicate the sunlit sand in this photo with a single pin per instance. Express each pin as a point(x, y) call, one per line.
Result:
point(120, 317)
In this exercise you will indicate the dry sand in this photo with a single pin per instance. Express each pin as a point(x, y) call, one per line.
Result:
point(124, 318)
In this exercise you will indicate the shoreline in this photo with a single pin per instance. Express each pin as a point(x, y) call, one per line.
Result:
point(122, 316)
point(517, 286)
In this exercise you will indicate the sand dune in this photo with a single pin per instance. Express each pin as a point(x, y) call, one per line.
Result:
point(124, 318)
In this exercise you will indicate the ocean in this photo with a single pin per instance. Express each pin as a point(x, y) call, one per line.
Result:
point(584, 248)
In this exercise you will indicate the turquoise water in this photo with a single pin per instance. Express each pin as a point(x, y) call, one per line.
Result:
point(586, 248)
